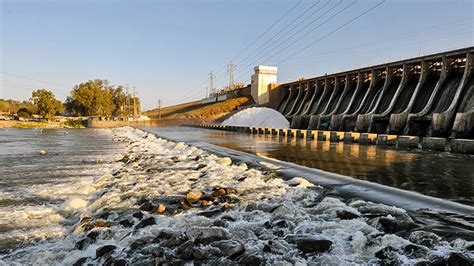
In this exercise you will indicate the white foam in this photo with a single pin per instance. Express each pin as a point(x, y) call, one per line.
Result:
point(258, 117)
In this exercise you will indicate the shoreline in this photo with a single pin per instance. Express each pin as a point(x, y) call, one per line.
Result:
point(172, 202)
point(33, 124)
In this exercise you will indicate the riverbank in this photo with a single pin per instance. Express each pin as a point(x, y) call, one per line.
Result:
point(33, 124)
point(168, 202)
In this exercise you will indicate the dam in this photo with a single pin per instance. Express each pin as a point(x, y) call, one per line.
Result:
point(426, 96)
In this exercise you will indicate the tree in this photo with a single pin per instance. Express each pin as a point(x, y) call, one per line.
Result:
point(94, 97)
point(46, 103)
point(24, 112)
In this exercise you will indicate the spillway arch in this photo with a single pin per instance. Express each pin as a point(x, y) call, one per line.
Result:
point(430, 95)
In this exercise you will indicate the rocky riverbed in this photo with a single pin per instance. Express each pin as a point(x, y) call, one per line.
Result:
point(170, 203)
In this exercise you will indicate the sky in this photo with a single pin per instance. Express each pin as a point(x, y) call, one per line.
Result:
point(166, 49)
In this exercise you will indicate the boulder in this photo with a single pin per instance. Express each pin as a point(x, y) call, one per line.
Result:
point(100, 252)
point(311, 244)
point(230, 248)
point(194, 196)
point(416, 251)
point(459, 259)
point(145, 222)
point(206, 235)
point(81, 261)
point(346, 215)
point(147, 207)
point(251, 259)
point(388, 256)
point(424, 238)
point(126, 223)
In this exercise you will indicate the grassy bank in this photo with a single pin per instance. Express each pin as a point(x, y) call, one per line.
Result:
point(70, 123)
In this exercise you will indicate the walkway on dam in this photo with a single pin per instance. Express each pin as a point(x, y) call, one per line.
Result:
point(437, 174)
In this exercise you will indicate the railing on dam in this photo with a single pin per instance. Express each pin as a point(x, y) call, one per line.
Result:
point(431, 95)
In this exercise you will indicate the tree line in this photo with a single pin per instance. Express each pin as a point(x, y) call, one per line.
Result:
point(91, 98)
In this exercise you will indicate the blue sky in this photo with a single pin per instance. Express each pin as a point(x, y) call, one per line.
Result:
point(167, 48)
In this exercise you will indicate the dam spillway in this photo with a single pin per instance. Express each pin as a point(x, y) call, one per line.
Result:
point(431, 95)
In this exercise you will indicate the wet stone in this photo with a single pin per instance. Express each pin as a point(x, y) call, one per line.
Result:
point(138, 215)
point(145, 222)
point(206, 235)
point(459, 259)
point(83, 243)
point(424, 238)
point(388, 255)
point(311, 244)
point(251, 259)
point(390, 225)
point(126, 223)
point(194, 196)
point(274, 246)
point(80, 261)
point(230, 248)
point(346, 215)
point(100, 252)
point(147, 206)
point(414, 250)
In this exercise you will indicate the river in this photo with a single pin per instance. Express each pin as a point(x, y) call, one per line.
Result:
point(437, 174)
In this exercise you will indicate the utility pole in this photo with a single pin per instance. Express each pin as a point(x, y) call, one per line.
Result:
point(134, 104)
point(127, 102)
point(159, 109)
point(211, 83)
point(231, 69)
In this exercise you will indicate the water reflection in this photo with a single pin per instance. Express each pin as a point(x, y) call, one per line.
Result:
point(436, 174)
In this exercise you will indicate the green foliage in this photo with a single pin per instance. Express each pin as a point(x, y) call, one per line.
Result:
point(46, 103)
point(74, 123)
point(12, 106)
point(98, 98)
point(24, 112)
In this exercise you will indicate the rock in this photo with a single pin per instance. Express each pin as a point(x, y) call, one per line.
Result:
point(161, 209)
point(346, 215)
point(206, 235)
point(230, 248)
point(218, 192)
point(126, 223)
point(42, 152)
point(311, 244)
point(83, 243)
point(388, 255)
point(200, 166)
point(116, 262)
point(251, 259)
point(274, 246)
point(219, 223)
point(415, 251)
point(80, 261)
point(125, 159)
point(194, 196)
point(100, 252)
point(184, 204)
point(424, 238)
point(174, 241)
point(139, 243)
point(459, 259)
point(188, 250)
point(87, 226)
point(145, 222)
point(138, 215)
point(147, 206)
point(390, 225)
point(212, 212)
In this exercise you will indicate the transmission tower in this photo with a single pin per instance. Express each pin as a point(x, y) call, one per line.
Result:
point(231, 70)
point(211, 83)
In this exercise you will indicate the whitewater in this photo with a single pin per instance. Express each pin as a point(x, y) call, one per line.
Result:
point(156, 201)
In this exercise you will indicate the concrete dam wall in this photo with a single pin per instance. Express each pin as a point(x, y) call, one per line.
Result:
point(431, 95)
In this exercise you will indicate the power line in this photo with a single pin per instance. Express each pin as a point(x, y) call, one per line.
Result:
point(249, 56)
point(268, 29)
point(33, 79)
point(312, 22)
point(333, 31)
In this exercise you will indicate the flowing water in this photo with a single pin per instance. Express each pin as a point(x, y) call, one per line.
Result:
point(37, 190)
point(43, 198)
point(436, 174)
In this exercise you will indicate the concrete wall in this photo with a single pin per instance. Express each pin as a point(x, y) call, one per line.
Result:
point(261, 80)
point(430, 96)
